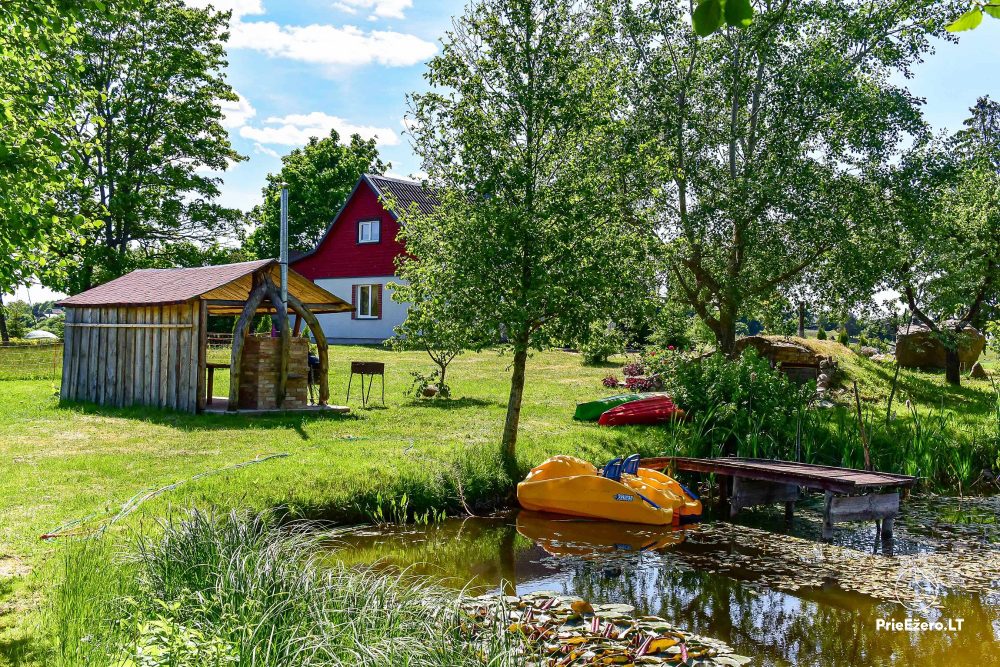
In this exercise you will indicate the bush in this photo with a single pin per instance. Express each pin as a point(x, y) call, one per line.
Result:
point(634, 368)
point(672, 326)
point(603, 340)
point(610, 381)
point(821, 333)
point(843, 338)
point(743, 402)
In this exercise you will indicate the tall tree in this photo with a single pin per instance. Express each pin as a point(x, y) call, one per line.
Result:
point(320, 178)
point(942, 227)
point(755, 136)
point(38, 94)
point(532, 240)
point(145, 137)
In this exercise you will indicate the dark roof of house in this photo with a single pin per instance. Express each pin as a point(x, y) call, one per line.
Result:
point(404, 193)
point(150, 286)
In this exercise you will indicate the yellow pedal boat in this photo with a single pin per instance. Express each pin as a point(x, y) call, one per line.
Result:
point(622, 491)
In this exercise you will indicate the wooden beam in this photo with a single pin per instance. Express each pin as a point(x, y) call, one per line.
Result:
point(202, 352)
point(864, 508)
point(130, 325)
point(286, 337)
point(750, 492)
point(239, 339)
point(321, 347)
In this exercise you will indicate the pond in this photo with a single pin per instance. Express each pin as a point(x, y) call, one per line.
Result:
point(771, 591)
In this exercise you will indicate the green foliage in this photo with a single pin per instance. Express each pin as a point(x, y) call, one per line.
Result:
point(423, 381)
point(843, 337)
point(971, 19)
point(20, 319)
point(38, 97)
point(711, 15)
point(320, 176)
point(520, 139)
point(765, 151)
point(210, 592)
point(821, 333)
point(740, 399)
point(145, 128)
point(942, 221)
point(603, 340)
point(672, 326)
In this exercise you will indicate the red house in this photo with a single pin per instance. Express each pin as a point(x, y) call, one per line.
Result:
point(355, 258)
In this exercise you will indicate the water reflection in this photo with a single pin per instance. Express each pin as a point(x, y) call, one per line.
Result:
point(651, 569)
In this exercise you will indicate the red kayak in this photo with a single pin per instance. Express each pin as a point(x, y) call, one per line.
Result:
point(652, 410)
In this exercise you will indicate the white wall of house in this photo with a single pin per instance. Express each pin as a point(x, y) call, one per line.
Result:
point(341, 329)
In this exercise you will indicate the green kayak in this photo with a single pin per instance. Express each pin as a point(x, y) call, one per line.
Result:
point(592, 411)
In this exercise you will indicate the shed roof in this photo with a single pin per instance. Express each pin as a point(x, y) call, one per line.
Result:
point(224, 282)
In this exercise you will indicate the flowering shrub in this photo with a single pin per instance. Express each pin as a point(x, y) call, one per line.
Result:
point(610, 381)
point(633, 368)
point(736, 397)
point(641, 384)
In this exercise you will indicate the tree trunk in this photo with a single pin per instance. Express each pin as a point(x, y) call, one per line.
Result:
point(509, 442)
point(952, 365)
point(802, 319)
point(725, 334)
point(443, 368)
point(4, 336)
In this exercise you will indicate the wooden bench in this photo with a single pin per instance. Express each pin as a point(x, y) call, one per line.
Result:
point(850, 495)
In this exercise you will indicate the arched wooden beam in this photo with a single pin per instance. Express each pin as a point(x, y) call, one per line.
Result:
point(281, 313)
point(254, 299)
point(321, 347)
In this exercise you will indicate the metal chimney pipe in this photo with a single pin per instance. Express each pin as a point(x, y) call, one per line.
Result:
point(283, 243)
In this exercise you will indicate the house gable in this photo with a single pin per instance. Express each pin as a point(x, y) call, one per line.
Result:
point(341, 254)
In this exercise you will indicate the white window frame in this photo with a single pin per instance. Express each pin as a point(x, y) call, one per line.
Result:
point(371, 302)
point(374, 228)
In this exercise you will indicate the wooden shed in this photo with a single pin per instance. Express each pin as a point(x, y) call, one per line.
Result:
point(141, 339)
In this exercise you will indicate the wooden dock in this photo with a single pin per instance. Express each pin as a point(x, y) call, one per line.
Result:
point(851, 495)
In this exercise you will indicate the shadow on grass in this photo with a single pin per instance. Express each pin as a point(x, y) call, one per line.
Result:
point(454, 403)
point(211, 422)
point(927, 387)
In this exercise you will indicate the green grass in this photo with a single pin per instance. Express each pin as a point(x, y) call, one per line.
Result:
point(239, 591)
point(63, 463)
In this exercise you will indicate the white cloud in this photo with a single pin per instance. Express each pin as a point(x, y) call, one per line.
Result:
point(238, 7)
point(331, 45)
point(296, 130)
point(260, 148)
point(387, 9)
point(236, 114)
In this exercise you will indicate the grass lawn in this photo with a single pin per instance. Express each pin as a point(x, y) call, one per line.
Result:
point(63, 463)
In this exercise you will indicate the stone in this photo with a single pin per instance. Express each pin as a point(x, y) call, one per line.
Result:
point(869, 352)
point(823, 379)
point(430, 391)
point(978, 372)
point(921, 348)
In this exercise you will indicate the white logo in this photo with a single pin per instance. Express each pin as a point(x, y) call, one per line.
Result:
point(624, 497)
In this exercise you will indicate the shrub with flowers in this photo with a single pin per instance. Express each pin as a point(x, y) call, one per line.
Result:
point(610, 381)
point(634, 368)
point(736, 397)
point(641, 384)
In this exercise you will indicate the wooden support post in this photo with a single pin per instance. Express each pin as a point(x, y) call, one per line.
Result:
point(297, 329)
point(789, 511)
point(281, 314)
point(827, 519)
point(322, 347)
point(253, 302)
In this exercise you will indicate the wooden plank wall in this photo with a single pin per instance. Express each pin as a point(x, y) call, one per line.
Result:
point(147, 355)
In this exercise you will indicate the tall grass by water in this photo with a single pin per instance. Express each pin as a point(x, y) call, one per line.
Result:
point(238, 590)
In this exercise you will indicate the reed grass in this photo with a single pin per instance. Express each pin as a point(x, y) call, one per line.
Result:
point(239, 590)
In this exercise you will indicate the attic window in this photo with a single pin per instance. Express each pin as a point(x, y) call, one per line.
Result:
point(368, 231)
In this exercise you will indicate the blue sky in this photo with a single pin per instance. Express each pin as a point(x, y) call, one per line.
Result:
point(303, 66)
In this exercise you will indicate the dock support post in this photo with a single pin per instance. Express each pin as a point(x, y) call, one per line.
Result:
point(789, 511)
point(827, 518)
